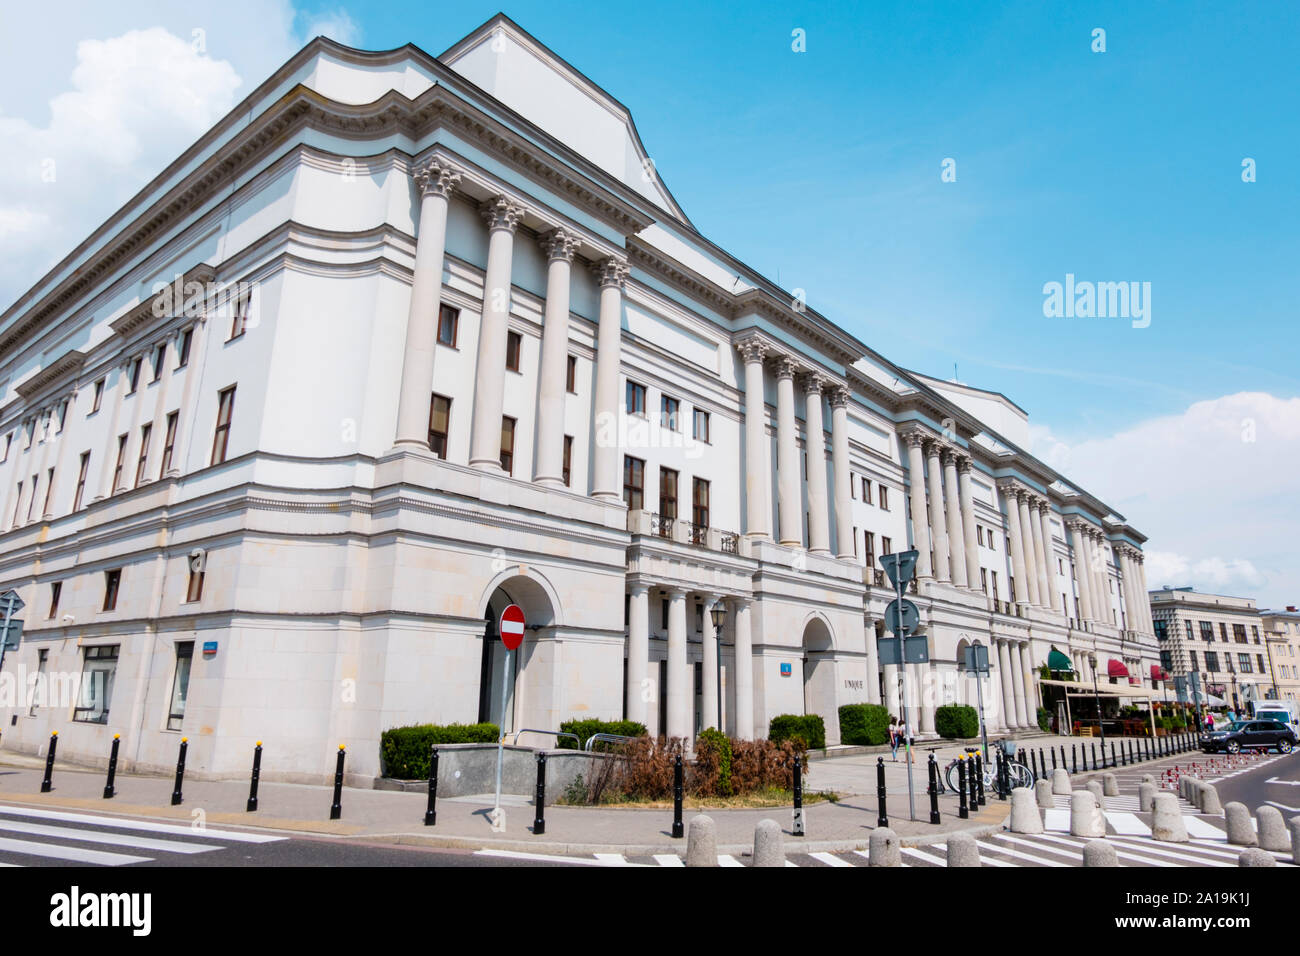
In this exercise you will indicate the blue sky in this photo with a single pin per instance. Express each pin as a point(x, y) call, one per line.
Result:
point(822, 170)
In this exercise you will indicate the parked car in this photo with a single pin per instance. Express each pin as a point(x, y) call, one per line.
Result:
point(1251, 734)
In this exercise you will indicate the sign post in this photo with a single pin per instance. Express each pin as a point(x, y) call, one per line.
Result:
point(12, 604)
point(977, 663)
point(511, 630)
point(902, 618)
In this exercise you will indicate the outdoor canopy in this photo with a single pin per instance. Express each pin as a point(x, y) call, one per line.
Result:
point(1056, 661)
point(1116, 668)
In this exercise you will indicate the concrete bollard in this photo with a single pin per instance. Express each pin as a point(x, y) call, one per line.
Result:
point(1060, 782)
point(1241, 829)
point(1190, 789)
point(883, 849)
point(1094, 787)
point(1272, 830)
point(701, 842)
point(1210, 799)
point(1043, 791)
point(1099, 853)
point(1148, 778)
point(1255, 857)
point(1167, 819)
point(1294, 826)
point(1085, 816)
point(963, 850)
point(768, 848)
point(1146, 794)
point(1024, 812)
point(1110, 784)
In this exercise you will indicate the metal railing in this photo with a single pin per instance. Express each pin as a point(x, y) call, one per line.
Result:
point(696, 533)
point(730, 542)
point(550, 733)
point(660, 526)
point(607, 738)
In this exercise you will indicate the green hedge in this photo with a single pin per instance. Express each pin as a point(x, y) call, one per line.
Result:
point(956, 721)
point(1044, 720)
point(810, 728)
point(864, 724)
point(586, 728)
point(714, 739)
point(404, 751)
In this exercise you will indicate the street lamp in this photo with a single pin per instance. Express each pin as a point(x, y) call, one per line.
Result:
point(1092, 662)
point(719, 615)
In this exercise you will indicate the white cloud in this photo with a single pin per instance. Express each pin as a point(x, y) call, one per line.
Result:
point(1214, 489)
point(336, 25)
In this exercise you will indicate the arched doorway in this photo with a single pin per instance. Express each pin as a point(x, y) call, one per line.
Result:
point(502, 677)
point(819, 671)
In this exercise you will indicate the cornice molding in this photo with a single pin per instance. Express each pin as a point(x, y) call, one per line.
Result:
point(66, 365)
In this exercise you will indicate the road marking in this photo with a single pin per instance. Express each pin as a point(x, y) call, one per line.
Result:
point(668, 859)
point(75, 854)
point(922, 855)
point(1282, 806)
point(1007, 851)
point(546, 857)
point(1196, 827)
point(1284, 783)
point(113, 839)
point(615, 859)
point(1128, 824)
point(830, 859)
point(726, 859)
point(1124, 854)
point(121, 823)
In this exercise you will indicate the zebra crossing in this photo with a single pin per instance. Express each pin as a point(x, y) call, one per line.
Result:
point(33, 836)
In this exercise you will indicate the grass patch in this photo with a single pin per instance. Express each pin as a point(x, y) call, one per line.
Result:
point(761, 799)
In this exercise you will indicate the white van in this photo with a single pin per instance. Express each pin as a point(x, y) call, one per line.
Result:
point(1285, 711)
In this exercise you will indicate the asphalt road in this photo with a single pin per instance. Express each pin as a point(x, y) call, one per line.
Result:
point(1277, 784)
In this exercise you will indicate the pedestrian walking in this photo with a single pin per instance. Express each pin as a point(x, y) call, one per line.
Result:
point(895, 737)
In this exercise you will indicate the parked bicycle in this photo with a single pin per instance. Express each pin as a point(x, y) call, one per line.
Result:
point(1018, 775)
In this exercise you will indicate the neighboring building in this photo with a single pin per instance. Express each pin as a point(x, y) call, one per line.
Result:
point(443, 342)
point(1282, 638)
point(1216, 637)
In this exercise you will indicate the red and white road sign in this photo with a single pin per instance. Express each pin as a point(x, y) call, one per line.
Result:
point(512, 627)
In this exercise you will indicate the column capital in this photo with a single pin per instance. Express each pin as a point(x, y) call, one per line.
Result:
point(965, 463)
point(436, 177)
point(559, 245)
point(915, 437)
point(839, 396)
point(949, 456)
point(501, 213)
point(752, 350)
point(1077, 525)
point(813, 383)
point(785, 367)
point(640, 587)
point(610, 271)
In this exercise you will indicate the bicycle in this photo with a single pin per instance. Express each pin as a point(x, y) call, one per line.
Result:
point(1018, 775)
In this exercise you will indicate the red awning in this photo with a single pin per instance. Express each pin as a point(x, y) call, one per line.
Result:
point(1157, 673)
point(1116, 668)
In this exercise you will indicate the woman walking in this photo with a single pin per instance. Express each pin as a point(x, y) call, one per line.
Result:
point(895, 736)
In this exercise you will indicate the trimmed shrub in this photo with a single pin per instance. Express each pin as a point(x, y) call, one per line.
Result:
point(590, 726)
point(864, 724)
point(956, 721)
point(404, 751)
point(1044, 720)
point(810, 729)
point(712, 771)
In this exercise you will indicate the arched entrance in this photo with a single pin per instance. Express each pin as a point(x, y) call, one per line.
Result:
point(819, 671)
point(501, 685)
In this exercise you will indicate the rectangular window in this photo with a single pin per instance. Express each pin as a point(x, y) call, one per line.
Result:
point(884, 497)
point(9, 440)
point(984, 580)
point(239, 320)
point(38, 691)
point(1211, 661)
point(1191, 657)
point(1207, 632)
point(99, 396)
point(225, 411)
point(514, 341)
point(993, 583)
point(700, 503)
point(31, 502)
point(1239, 633)
point(701, 429)
point(194, 588)
point(571, 375)
point(1223, 632)
point(663, 617)
point(97, 672)
point(869, 547)
point(1188, 625)
point(855, 541)
point(169, 444)
point(183, 348)
point(112, 581)
point(146, 433)
point(866, 490)
point(159, 357)
point(507, 444)
point(439, 424)
point(121, 463)
point(18, 500)
point(1255, 633)
point(81, 481)
point(633, 483)
point(568, 460)
point(1260, 658)
point(668, 494)
point(56, 590)
point(180, 684)
point(886, 545)
point(49, 491)
point(668, 408)
point(979, 535)
point(133, 374)
point(448, 325)
point(1244, 661)
point(634, 398)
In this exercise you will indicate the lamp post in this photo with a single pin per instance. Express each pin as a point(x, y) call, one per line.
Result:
point(1092, 662)
point(719, 615)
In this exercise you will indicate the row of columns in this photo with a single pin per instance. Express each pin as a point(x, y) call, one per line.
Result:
point(1134, 578)
point(943, 511)
point(1010, 698)
point(1029, 520)
point(437, 180)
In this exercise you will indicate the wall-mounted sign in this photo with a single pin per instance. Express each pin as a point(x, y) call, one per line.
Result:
point(209, 648)
point(786, 670)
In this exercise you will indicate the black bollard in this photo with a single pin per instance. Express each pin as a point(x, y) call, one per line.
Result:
point(257, 773)
point(978, 797)
point(678, 830)
point(1053, 753)
point(539, 820)
point(47, 781)
point(1094, 756)
point(796, 827)
point(1074, 757)
point(934, 790)
point(882, 816)
point(180, 772)
point(1003, 779)
point(1112, 754)
point(1062, 756)
point(109, 792)
point(962, 810)
point(336, 808)
point(431, 809)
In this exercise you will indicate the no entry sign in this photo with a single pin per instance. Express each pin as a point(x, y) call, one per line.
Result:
point(512, 627)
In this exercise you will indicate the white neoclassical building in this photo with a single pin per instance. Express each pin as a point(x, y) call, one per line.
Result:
point(404, 339)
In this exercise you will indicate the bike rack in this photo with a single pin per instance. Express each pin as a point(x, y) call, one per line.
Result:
point(607, 738)
point(550, 733)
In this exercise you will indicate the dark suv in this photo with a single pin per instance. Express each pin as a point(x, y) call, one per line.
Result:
point(1248, 734)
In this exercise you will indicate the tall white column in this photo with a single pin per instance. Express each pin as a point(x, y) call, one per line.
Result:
point(1027, 679)
point(1045, 518)
point(934, 484)
point(709, 670)
point(956, 531)
point(788, 481)
point(559, 247)
point(607, 484)
point(680, 689)
point(744, 676)
point(893, 699)
point(966, 492)
point(490, 370)
point(639, 685)
point(1125, 587)
point(1010, 496)
point(925, 694)
point(819, 532)
point(1017, 684)
point(1040, 553)
point(1032, 572)
point(873, 662)
point(1008, 684)
point(435, 180)
point(1103, 576)
point(916, 494)
point(758, 453)
point(1145, 596)
point(843, 476)
point(1082, 569)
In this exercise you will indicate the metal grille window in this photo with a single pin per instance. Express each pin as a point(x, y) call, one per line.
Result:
point(98, 669)
point(180, 684)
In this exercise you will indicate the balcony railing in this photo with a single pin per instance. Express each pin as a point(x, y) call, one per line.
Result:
point(696, 533)
point(730, 542)
point(660, 526)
